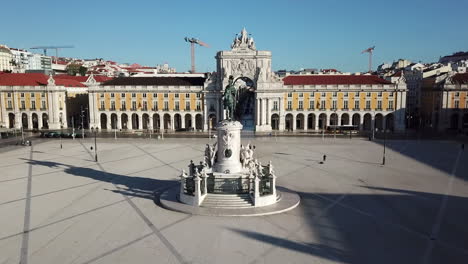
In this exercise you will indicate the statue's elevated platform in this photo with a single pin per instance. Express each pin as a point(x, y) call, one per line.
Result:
point(230, 175)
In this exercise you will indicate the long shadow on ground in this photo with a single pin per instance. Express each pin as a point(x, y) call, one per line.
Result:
point(382, 225)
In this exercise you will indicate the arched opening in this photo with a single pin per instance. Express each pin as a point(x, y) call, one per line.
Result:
point(114, 121)
point(389, 121)
point(275, 122)
point(24, 120)
point(156, 121)
point(289, 122)
point(199, 122)
point(135, 121)
point(367, 122)
point(454, 121)
point(356, 120)
point(145, 121)
point(344, 119)
point(465, 121)
point(379, 122)
point(177, 122)
point(167, 121)
point(300, 121)
point(311, 121)
point(334, 119)
point(35, 121)
point(11, 120)
point(212, 121)
point(103, 121)
point(188, 121)
point(45, 121)
point(124, 121)
point(245, 106)
point(322, 121)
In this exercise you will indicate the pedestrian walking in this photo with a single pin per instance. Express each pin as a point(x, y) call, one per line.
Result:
point(324, 158)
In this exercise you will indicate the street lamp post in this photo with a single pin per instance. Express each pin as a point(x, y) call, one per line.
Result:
point(384, 146)
point(82, 123)
point(61, 132)
point(323, 129)
point(73, 127)
point(94, 130)
point(336, 124)
point(95, 144)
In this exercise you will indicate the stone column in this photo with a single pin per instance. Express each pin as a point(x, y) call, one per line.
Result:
point(119, 121)
point(256, 190)
point(182, 120)
point(257, 112)
point(264, 108)
point(273, 184)
point(109, 122)
point(294, 122)
point(197, 193)
point(140, 121)
point(316, 122)
point(39, 120)
point(306, 121)
point(30, 122)
point(172, 122)
point(205, 115)
point(3, 113)
point(150, 123)
point(194, 122)
point(268, 109)
point(281, 114)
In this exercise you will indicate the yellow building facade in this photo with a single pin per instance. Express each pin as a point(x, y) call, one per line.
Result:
point(148, 103)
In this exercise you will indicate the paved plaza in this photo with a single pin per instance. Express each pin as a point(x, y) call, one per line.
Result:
point(60, 206)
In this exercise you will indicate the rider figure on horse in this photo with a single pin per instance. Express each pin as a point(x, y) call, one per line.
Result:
point(230, 99)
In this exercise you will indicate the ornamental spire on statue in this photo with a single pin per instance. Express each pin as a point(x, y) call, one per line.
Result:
point(243, 41)
point(230, 99)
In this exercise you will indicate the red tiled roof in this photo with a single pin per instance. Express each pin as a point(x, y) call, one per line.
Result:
point(34, 79)
point(71, 77)
point(460, 78)
point(333, 79)
point(397, 74)
point(98, 78)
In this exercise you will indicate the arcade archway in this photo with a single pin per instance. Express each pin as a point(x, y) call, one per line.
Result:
point(245, 107)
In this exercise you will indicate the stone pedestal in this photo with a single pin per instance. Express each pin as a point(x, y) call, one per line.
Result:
point(229, 142)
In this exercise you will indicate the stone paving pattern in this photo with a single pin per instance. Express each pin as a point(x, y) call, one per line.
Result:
point(59, 206)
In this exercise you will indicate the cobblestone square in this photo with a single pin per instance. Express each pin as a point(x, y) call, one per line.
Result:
point(60, 206)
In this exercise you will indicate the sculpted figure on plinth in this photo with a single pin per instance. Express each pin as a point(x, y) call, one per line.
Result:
point(230, 99)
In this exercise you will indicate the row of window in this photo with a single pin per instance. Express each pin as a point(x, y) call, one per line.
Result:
point(166, 95)
point(23, 94)
point(456, 104)
point(155, 106)
point(322, 105)
point(335, 94)
point(23, 105)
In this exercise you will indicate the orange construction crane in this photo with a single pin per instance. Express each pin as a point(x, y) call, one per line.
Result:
point(369, 50)
point(192, 42)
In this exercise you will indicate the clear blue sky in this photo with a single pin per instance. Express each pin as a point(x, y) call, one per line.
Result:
point(300, 34)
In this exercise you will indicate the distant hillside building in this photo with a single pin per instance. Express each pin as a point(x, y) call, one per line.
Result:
point(456, 57)
point(6, 59)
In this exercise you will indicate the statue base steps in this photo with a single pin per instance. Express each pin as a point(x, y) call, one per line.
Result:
point(227, 201)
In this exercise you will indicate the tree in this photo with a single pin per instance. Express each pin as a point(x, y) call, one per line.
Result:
point(83, 70)
point(73, 69)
